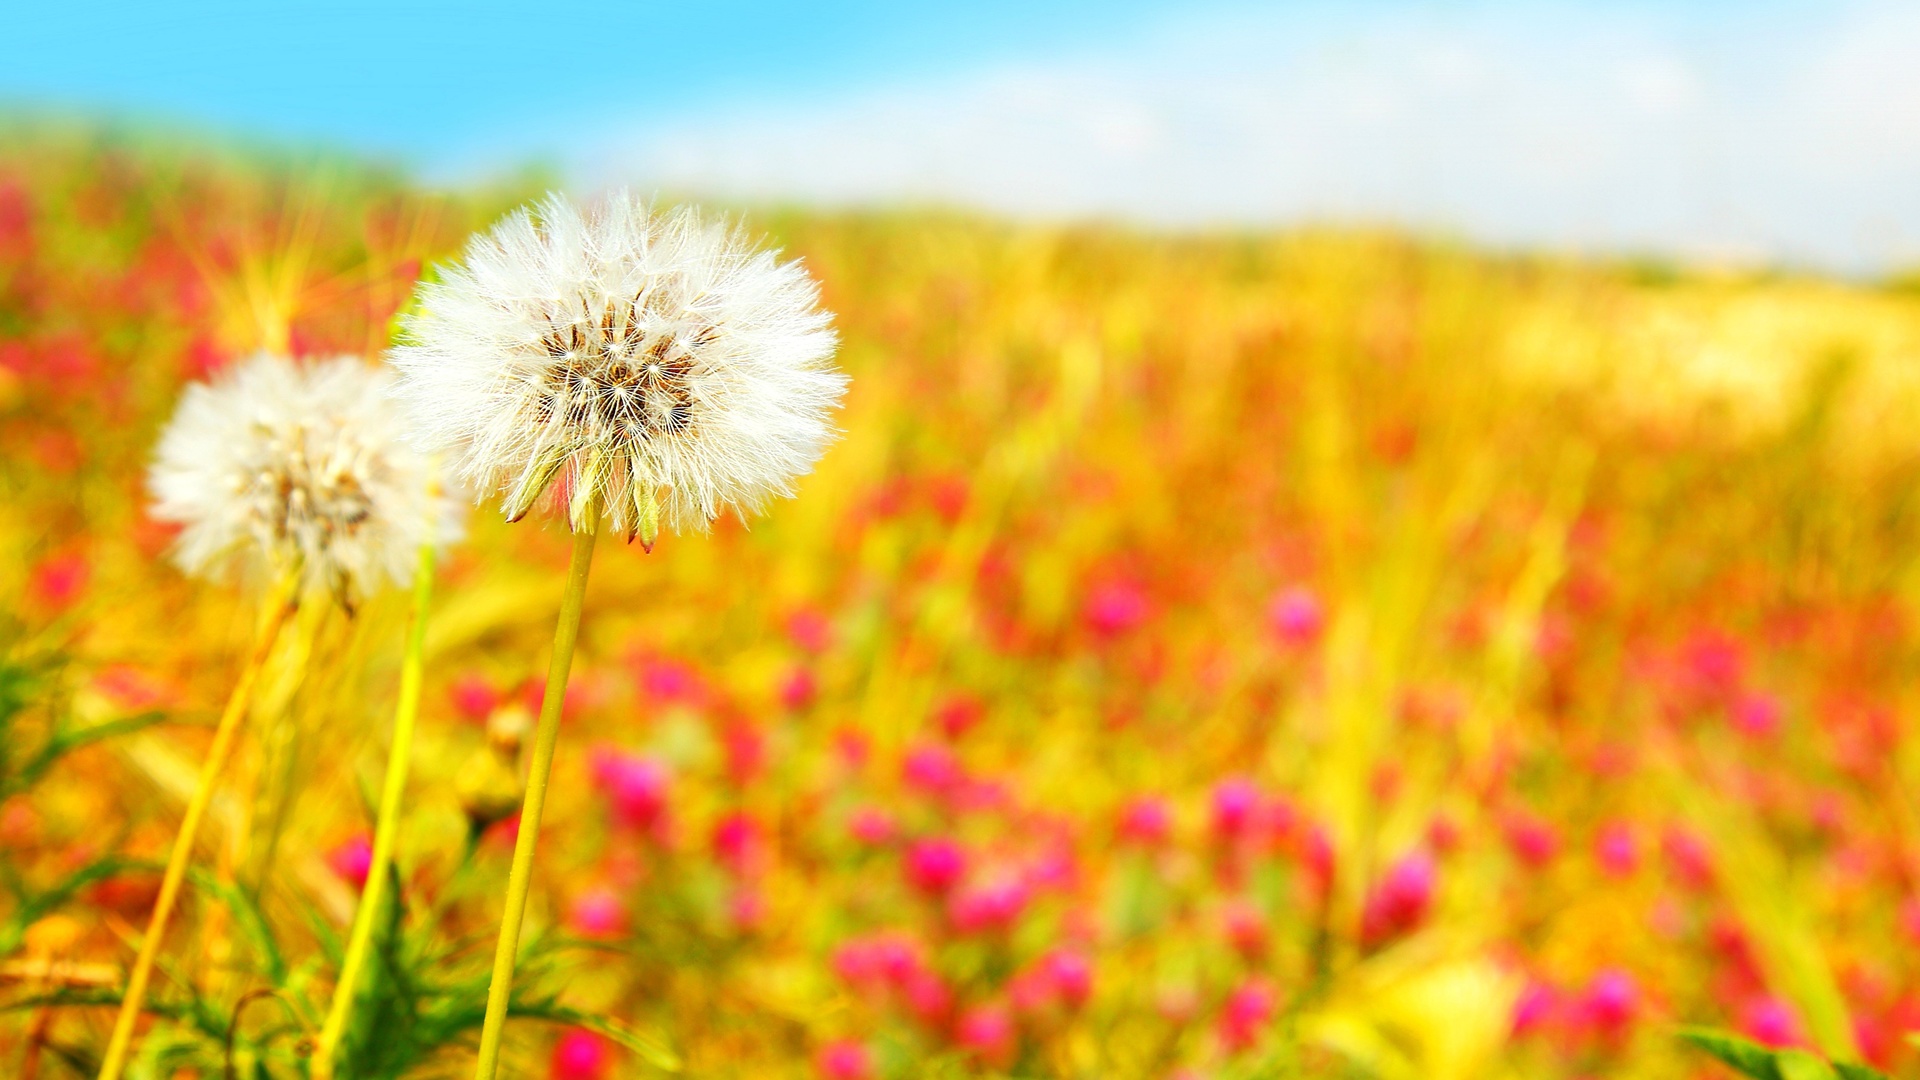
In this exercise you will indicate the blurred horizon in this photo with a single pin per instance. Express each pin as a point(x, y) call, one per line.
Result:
point(1777, 133)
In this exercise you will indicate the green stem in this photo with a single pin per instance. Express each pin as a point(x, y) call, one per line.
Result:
point(285, 598)
point(373, 892)
point(548, 733)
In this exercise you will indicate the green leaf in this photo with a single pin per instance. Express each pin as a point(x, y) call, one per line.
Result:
point(251, 921)
point(1800, 1065)
point(1749, 1058)
point(1849, 1071)
point(655, 1053)
point(36, 905)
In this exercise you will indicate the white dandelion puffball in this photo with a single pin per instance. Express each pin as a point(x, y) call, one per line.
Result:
point(648, 366)
point(276, 464)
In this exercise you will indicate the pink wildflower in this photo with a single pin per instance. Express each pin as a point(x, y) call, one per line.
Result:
point(1295, 616)
point(1610, 1003)
point(872, 825)
point(60, 579)
point(845, 1060)
point(958, 715)
point(1615, 849)
point(1246, 1013)
point(580, 1055)
point(1770, 1020)
point(1536, 1007)
point(597, 913)
point(1757, 715)
point(738, 842)
point(1532, 839)
point(935, 865)
point(932, 769)
point(810, 630)
point(1146, 820)
point(352, 860)
point(1116, 607)
point(474, 698)
point(636, 787)
point(988, 1032)
point(800, 689)
point(1235, 801)
point(1399, 902)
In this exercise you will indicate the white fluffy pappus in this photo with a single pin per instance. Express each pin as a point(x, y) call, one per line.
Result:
point(651, 366)
point(275, 464)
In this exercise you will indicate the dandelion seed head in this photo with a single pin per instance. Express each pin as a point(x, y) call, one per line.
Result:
point(650, 365)
point(277, 464)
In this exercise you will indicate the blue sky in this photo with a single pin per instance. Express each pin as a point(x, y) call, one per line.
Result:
point(1767, 130)
point(425, 80)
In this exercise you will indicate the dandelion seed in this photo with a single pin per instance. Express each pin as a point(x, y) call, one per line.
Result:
point(656, 367)
point(278, 465)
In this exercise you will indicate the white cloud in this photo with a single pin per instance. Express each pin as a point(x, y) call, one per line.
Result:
point(1778, 133)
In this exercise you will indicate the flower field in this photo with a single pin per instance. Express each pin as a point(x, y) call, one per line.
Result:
point(1324, 653)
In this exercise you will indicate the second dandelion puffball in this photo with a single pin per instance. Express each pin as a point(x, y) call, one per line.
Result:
point(283, 466)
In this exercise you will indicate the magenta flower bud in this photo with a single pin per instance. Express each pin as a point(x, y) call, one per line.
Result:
point(1757, 715)
point(746, 750)
point(845, 1060)
point(1534, 841)
point(1611, 1001)
point(1295, 616)
point(872, 825)
point(810, 630)
point(1615, 849)
point(1535, 1008)
point(1688, 857)
point(935, 865)
point(1235, 801)
point(1716, 662)
point(1246, 1013)
point(1246, 928)
point(958, 715)
point(1399, 901)
point(59, 580)
point(987, 1031)
point(1146, 820)
point(1072, 975)
point(580, 1055)
point(1770, 1020)
point(737, 842)
point(932, 769)
point(636, 787)
point(474, 698)
point(666, 680)
point(853, 747)
point(928, 997)
point(1115, 608)
point(747, 908)
point(800, 689)
point(990, 906)
point(898, 958)
point(352, 860)
point(597, 913)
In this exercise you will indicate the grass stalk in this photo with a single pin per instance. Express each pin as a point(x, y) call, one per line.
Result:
point(280, 605)
point(373, 892)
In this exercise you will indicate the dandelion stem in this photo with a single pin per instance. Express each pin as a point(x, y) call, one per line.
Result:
point(373, 892)
point(520, 877)
point(285, 598)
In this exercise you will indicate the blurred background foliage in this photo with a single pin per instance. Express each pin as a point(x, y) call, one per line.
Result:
point(1323, 653)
